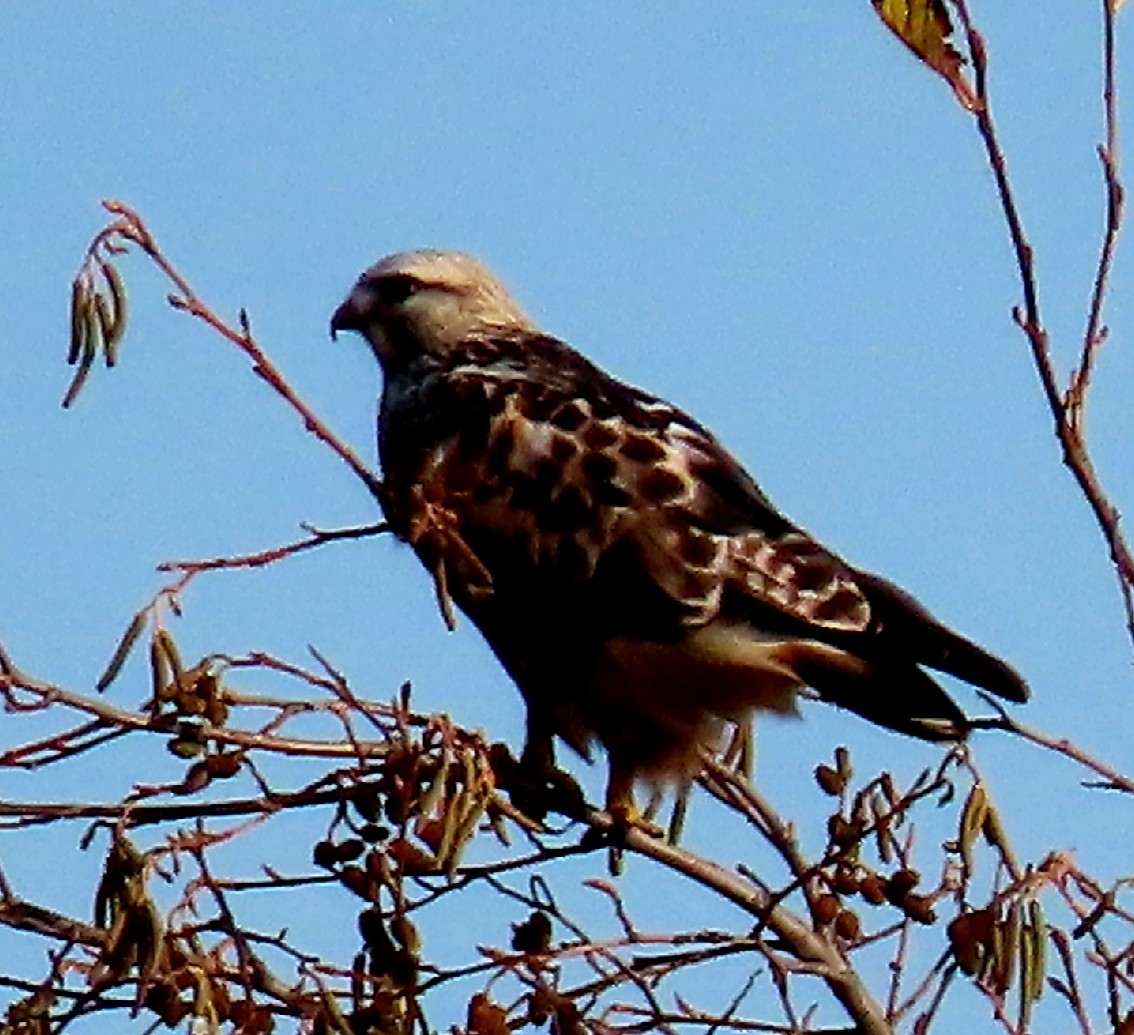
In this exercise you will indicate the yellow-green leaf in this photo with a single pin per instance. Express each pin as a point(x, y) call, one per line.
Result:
point(924, 26)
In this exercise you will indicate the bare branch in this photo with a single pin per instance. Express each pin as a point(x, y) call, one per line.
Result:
point(1066, 408)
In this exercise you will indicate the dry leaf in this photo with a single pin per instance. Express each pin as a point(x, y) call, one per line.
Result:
point(924, 26)
point(486, 1017)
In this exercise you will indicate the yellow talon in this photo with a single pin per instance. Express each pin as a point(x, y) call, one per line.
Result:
point(622, 809)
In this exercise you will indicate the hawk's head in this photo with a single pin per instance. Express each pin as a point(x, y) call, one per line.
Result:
point(427, 301)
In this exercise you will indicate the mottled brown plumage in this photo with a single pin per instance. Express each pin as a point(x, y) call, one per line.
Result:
point(628, 573)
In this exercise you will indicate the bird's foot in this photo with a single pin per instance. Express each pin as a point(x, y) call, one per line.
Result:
point(537, 790)
point(622, 809)
point(626, 817)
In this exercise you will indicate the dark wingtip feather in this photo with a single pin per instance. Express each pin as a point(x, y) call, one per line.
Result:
point(965, 660)
point(902, 621)
point(900, 697)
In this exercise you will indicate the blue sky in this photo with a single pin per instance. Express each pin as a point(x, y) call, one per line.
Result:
point(767, 213)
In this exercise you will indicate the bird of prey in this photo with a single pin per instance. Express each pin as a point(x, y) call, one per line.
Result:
point(635, 582)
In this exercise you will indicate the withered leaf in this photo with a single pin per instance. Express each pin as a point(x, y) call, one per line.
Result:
point(829, 780)
point(486, 1017)
point(925, 27)
point(533, 936)
point(971, 936)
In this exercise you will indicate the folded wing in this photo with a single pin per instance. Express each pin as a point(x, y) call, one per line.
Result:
point(595, 482)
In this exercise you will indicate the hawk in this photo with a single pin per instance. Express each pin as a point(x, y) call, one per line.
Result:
point(631, 577)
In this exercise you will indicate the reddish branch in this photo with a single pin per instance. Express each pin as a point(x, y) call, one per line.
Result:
point(1111, 778)
point(813, 950)
point(129, 228)
point(430, 771)
point(788, 943)
point(316, 537)
point(1066, 406)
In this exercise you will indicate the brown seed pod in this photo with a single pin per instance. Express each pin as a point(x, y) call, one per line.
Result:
point(175, 1012)
point(324, 854)
point(414, 861)
point(505, 769)
point(372, 833)
point(431, 832)
point(848, 927)
point(970, 936)
point(399, 801)
point(377, 864)
point(845, 881)
point(197, 779)
point(919, 908)
point(372, 927)
point(825, 910)
point(161, 677)
point(401, 760)
point(829, 780)
point(872, 887)
point(221, 1000)
point(367, 801)
point(188, 703)
point(540, 1006)
point(240, 1011)
point(350, 849)
point(844, 833)
point(900, 884)
point(185, 747)
point(486, 1017)
point(406, 934)
point(216, 711)
point(205, 684)
point(533, 936)
point(225, 765)
point(356, 879)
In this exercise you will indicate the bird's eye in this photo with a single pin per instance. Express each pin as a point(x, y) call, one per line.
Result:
point(396, 288)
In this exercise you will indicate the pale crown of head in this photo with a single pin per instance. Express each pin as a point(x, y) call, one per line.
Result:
point(438, 298)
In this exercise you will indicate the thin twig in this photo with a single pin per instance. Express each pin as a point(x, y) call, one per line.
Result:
point(263, 558)
point(1065, 408)
point(1114, 780)
point(129, 226)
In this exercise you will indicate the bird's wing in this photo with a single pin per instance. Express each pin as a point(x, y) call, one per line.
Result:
point(588, 479)
point(769, 571)
point(582, 465)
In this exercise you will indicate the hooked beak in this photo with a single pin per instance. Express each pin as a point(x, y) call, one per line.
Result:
point(346, 318)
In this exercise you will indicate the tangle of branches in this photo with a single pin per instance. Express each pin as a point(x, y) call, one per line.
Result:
point(404, 814)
